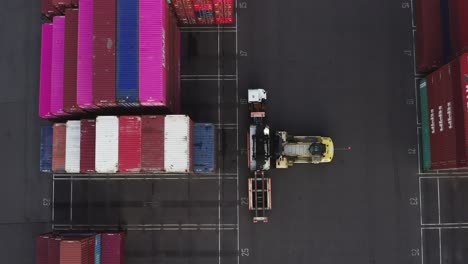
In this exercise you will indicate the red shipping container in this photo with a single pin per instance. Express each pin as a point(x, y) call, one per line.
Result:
point(458, 25)
point(152, 147)
point(74, 251)
point(432, 83)
point(88, 145)
point(62, 3)
point(70, 61)
point(428, 35)
point(129, 144)
point(54, 250)
point(104, 42)
point(58, 149)
point(42, 248)
point(463, 86)
point(112, 248)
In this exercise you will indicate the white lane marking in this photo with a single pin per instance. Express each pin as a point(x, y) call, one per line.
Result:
point(237, 133)
point(208, 31)
point(143, 179)
point(420, 203)
point(53, 204)
point(219, 147)
point(422, 247)
point(214, 79)
point(440, 246)
point(438, 198)
point(71, 201)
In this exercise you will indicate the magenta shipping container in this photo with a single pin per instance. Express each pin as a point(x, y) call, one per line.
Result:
point(112, 248)
point(84, 94)
point(46, 71)
point(58, 45)
point(152, 38)
point(104, 42)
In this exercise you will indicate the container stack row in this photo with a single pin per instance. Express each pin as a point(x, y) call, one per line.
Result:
point(110, 54)
point(76, 248)
point(444, 116)
point(204, 11)
point(441, 32)
point(129, 144)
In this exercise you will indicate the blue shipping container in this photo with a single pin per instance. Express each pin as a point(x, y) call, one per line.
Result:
point(204, 150)
point(97, 250)
point(46, 149)
point(127, 52)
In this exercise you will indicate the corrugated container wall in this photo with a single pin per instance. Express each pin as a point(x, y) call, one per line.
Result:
point(178, 149)
point(130, 144)
point(58, 149)
point(88, 145)
point(127, 52)
point(425, 131)
point(46, 149)
point(112, 248)
point(70, 62)
point(204, 150)
point(73, 251)
point(46, 71)
point(152, 147)
point(428, 35)
point(104, 45)
point(84, 94)
point(107, 144)
point(54, 250)
point(58, 45)
point(72, 149)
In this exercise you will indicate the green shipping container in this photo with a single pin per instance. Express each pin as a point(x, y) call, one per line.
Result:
point(425, 132)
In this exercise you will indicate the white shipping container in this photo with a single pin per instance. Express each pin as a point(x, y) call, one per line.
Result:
point(72, 149)
point(177, 143)
point(107, 144)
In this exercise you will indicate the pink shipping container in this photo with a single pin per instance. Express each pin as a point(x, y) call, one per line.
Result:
point(58, 45)
point(112, 248)
point(129, 144)
point(85, 56)
point(155, 39)
point(74, 251)
point(46, 71)
point(152, 147)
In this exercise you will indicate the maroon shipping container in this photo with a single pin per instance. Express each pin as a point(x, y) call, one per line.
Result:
point(74, 251)
point(432, 82)
point(458, 26)
point(54, 250)
point(42, 248)
point(152, 147)
point(428, 35)
point(88, 145)
point(463, 84)
point(129, 144)
point(70, 104)
point(104, 42)
point(58, 149)
point(112, 248)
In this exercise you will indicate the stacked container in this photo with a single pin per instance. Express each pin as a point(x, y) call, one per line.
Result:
point(70, 62)
point(152, 148)
point(204, 11)
point(112, 248)
point(87, 145)
point(46, 71)
point(129, 144)
point(104, 43)
point(46, 149)
point(74, 251)
point(204, 150)
point(42, 249)
point(178, 148)
point(58, 53)
point(447, 115)
point(127, 52)
point(107, 144)
point(425, 131)
point(85, 56)
point(58, 149)
point(72, 149)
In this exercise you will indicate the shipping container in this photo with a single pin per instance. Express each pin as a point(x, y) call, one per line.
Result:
point(58, 147)
point(70, 62)
point(458, 28)
point(72, 149)
point(74, 251)
point(46, 71)
point(47, 8)
point(464, 91)
point(178, 149)
point(152, 67)
point(84, 85)
point(104, 46)
point(425, 132)
point(435, 115)
point(127, 52)
point(152, 147)
point(58, 44)
point(46, 149)
point(97, 249)
point(429, 45)
point(204, 150)
point(42, 248)
point(107, 144)
point(129, 144)
point(54, 250)
point(62, 4)
point(112, 248)
point(87, 145)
